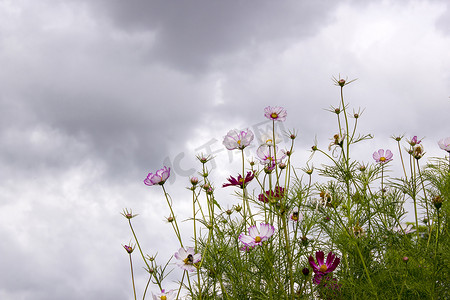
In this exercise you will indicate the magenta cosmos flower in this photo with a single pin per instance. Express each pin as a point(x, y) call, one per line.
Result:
point(266, 154)
point(240, 181)
point(381, 157)
point(158, 178)
point(187, 258)
point(170, 295)
point(276, 194)
point(275, 113)
point(238, 139)
point(322, 268)
point(256, 236)
point(444, 144)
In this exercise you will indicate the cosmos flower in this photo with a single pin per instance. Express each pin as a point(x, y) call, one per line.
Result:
point(256, 236)
point(275, 113)
point(158, 178)
point(170, 295)
point(187, 259)
point(276, 194)
point(238, 139)
point(444, 144)
point(296, 216)
point(322, 268)
point(414, 141)
point(266, 154)
point(403, 228)
point(129, 249)
point(417, 151)
point(381, 157)
point(240, 181)
point(267, 138)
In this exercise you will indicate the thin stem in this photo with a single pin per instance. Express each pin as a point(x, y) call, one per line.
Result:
point(132, 277)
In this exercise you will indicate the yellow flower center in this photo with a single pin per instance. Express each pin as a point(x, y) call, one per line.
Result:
point(189, 260)
point(241, 179)
point(382, 158)
point(239, 142)
point(163, 297)
point(323, 268)
point(257, 239)
point(274, 115)
point(269, 141)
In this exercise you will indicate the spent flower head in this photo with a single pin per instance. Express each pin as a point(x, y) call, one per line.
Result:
point(275, 113)
point(157, 178)
point(128, 214)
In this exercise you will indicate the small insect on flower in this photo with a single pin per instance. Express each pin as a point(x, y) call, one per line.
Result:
point(187, 258)
point(381, 157)
point(158, 178)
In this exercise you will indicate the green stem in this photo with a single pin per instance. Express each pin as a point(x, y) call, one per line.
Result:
point(132, 277)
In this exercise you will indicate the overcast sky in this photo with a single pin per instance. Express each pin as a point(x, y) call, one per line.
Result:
point(95, 94)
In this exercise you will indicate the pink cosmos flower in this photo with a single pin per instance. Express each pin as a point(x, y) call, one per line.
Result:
point(240, 181)
point(414, 141)
point(158, 178)
point(275, 113)
point(257, 236)
point(170, 295)
point(296, 216)
point(266, 154)
point(381, 157)
point(444, 144)
point(322, 268)
point(238, 139)
point(187, 258)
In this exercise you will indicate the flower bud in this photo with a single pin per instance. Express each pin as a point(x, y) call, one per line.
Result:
point(405, 259)
point(437, 202)
point(282, 166)
point(341, 82)
point(194, 181)
point(305, 271)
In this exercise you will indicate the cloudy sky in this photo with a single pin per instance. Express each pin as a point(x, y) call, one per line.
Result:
point(94, 94)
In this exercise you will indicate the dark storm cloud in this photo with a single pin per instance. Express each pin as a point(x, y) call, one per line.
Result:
point(190, 35)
